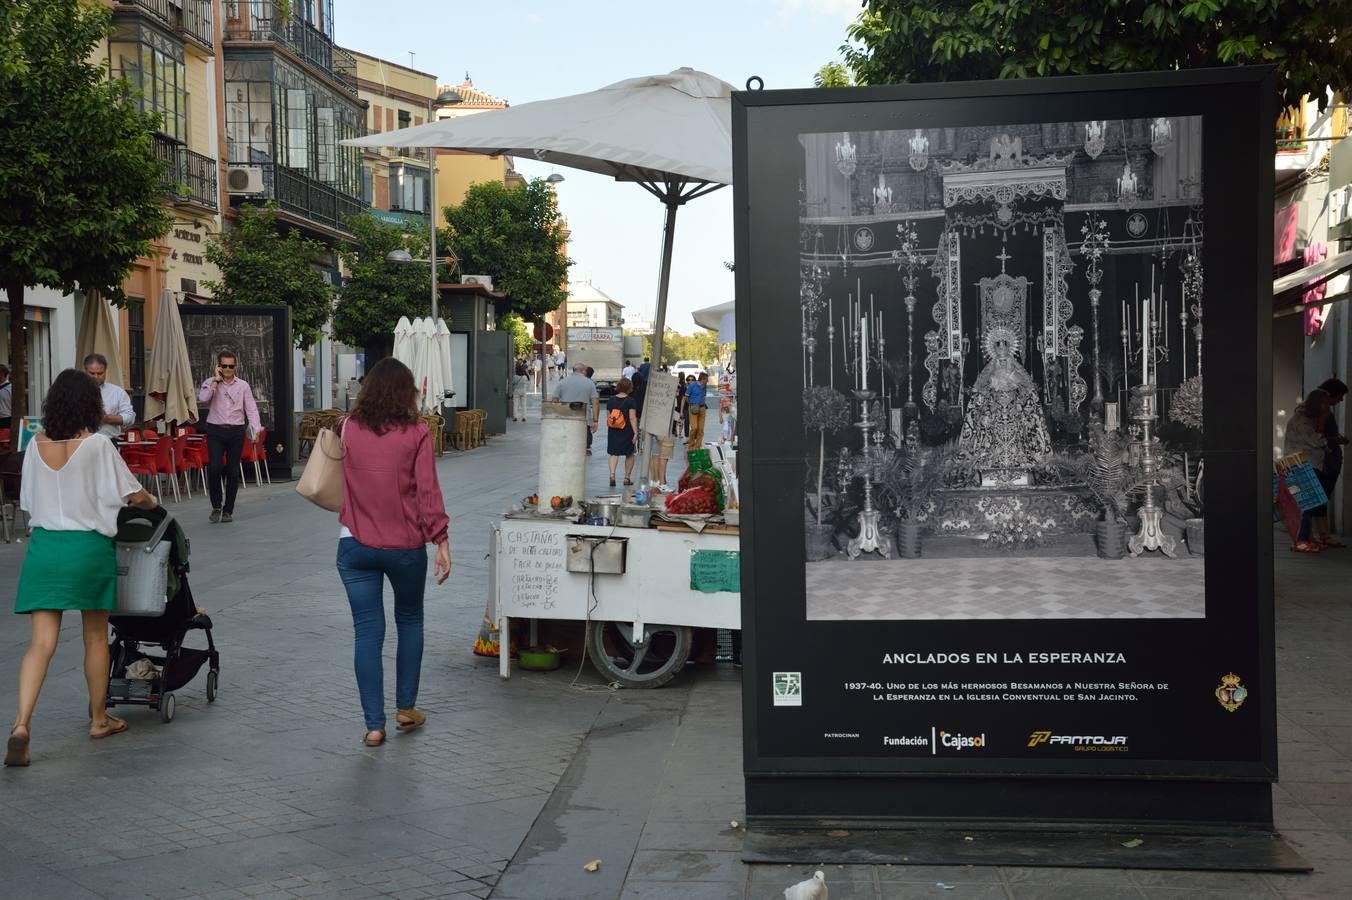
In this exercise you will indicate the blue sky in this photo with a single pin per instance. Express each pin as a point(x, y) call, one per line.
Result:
point(535, 50)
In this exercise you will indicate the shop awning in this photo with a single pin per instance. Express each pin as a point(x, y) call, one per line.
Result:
point(1286, 290)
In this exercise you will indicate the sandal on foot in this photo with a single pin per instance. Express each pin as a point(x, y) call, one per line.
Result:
point(627, 481)
point(16, 751)
point(612, 482)
point(1305, 547)
point(1332, 542)
point(416, 718)
point(374, 741)
point(113, 726)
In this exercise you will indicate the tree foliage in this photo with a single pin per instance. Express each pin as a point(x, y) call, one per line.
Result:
point(702, 346)
point(79, 186)
point(265, 262)
point(832, 74)
point(1310, 41)
point(523, 342)
point(515, 235)
point(377, 292)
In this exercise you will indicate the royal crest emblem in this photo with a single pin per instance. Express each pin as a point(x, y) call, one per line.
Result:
point(1232, 693)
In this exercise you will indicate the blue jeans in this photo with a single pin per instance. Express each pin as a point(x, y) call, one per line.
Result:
point(363, 570)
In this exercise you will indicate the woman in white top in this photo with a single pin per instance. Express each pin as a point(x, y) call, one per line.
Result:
point(74, 484)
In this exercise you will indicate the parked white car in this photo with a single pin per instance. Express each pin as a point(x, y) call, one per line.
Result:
point(685, 367)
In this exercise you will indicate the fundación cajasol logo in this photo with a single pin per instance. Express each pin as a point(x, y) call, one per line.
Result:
point(788, 688)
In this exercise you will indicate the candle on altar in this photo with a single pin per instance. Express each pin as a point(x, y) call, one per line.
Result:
point(863, 354)
point(1145, 344)
point(831, 371)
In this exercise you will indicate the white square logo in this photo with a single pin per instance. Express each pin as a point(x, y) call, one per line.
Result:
point(788, 688)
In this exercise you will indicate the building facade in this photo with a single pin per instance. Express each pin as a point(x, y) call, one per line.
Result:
point(590, 307)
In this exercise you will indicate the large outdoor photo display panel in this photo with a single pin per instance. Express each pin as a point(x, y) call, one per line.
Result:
point(992, 528)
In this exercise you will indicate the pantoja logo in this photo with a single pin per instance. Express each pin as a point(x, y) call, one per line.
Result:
point(1077, 740)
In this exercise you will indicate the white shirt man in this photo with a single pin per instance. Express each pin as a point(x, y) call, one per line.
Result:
point(117, 409)
point(628, 370)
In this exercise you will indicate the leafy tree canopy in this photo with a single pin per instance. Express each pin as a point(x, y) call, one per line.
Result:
point(833, 74)
point(515, 235)
point(264, 262)
point(377, 292)
point(1310, 41)
point(702, 346)
point(79, 186)
point(523, 341)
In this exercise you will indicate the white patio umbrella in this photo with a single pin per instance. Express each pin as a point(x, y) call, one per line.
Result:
point(97, 334)
point(403, 341)
point(426, 363)
point(443, 345)
point(170, 390)
point(671, 134)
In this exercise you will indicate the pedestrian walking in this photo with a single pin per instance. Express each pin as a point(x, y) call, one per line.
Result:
point(6, 397)
point(1333, 462)
point(579, 392)
point(1305, 434)
point(678, 412)
point(520, 385)
point(74, 484)
point(231, 412)
point(392, 509)
point(629, 369)
point(621, 429)
point(118, 412)
point(696, 400)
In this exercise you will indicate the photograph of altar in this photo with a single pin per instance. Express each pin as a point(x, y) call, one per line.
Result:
point(1001, 371)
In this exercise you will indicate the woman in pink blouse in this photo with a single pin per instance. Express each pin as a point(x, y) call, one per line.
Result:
point(392, 509)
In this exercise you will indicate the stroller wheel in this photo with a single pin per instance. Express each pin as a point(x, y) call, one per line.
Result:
point(212, 680)
point(167, 704)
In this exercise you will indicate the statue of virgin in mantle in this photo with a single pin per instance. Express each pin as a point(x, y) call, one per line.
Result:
point(1004, 431)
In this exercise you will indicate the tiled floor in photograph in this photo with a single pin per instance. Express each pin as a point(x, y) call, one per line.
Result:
point(1006, 588)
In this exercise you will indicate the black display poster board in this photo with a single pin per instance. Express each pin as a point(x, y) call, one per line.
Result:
point(260, 338)
point(998, 560)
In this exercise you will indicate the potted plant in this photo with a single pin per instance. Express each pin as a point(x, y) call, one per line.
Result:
point(1184, 498)
point(1108, 474)
point(907, 486)
point(825, 410)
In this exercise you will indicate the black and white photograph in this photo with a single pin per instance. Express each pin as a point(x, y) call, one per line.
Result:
point(1001, 371)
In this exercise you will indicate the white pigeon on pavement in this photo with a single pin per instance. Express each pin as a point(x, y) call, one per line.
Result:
point(812, 889)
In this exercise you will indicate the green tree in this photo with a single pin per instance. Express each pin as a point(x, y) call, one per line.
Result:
point(523, 342)
point(79, 187)
point(1310, 41)
point(264, 262)
point(702, 346)
point(515, 235)
point(377, 292)
point(832, 74)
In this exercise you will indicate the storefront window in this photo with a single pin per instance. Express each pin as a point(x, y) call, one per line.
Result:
point(136, 352)
point(38, 352)
point(153, 64)
point(409, 188)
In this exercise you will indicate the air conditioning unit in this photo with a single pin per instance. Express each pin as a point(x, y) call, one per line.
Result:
point(244, 179)
point(485, 281)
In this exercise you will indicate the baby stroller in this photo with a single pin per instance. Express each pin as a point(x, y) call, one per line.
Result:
point(162, 620)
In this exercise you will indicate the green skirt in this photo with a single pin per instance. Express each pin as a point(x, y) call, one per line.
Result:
point(68, 570)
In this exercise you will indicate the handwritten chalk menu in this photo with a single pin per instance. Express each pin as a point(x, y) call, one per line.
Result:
point(658, 403)
point(533, 568)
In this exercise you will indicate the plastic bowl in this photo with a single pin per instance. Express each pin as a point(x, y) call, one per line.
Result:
point(539, 660)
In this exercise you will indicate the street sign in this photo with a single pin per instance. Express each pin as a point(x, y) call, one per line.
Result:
point(548, 335)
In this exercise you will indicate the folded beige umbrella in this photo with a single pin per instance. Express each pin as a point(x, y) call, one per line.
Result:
point(97, 335)
point(170, 391)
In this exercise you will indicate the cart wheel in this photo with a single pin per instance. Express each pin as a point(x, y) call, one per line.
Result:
point(650, 662)
point(212, 680)
point(167, 704)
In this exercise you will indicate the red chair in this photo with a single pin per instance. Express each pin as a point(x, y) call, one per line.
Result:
point(149, 434)
point(158, 464)
point(255, 452)
point(4, 438)
point(185, 465)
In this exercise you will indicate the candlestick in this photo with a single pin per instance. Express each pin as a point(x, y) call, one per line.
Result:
point(1183, 327)
point(863, 354)
point(830, 343)
point(1145, 344)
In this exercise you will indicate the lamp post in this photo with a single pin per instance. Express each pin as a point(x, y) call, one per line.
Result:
point(553, 179)
point(445, 98)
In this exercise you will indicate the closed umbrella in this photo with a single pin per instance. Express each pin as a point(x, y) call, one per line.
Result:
point(672, 134)
point(422, 359)
point(169, 383)
point(403, 341)
point(98, 335)
point(444, 351)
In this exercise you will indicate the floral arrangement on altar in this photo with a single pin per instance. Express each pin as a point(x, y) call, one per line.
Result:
point(1010, 526)
point(1186, 406)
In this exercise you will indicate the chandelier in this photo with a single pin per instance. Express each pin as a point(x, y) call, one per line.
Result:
point(919, 158)
point(1126, 185)
point(882, 196)
point(1094, 133)
point(1161, 135)
point(846, 156)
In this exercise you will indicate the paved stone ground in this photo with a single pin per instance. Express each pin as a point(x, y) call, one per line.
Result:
point(512, 786)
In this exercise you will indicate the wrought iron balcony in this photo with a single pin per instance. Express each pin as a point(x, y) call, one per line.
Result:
point(301, 195)
point(190, 17)
point(189, 177)
point(305, 41)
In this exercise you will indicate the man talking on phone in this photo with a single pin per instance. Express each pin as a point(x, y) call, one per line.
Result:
point(230, 411)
